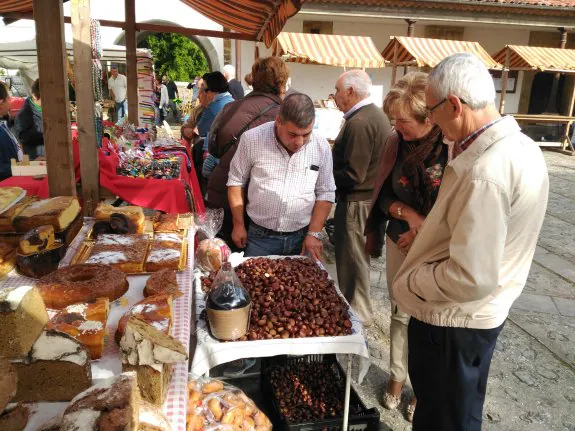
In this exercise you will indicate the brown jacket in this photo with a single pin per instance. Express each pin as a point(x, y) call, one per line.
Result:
point(356, 153)
point(241, 113)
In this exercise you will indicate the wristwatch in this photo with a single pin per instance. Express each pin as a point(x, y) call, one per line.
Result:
point(317, 235)
point(399, 211)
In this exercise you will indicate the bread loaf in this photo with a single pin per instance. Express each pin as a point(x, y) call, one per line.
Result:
point(7, 217)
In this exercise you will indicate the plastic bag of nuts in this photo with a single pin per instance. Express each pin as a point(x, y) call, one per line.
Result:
point(212, 405)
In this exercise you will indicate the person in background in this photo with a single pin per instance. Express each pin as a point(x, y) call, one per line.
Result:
point(282, 171)
point(217, 95)
point(118, 86)
point(236, 89)
point(164, 102)
point(269, 77)
point(355, 162)
point(249, 82)
point(410, 173)
point(28, 126)
point(172, 96)
point(471, 258)
point(10, 148)
point(189, 128)
point(194, 87)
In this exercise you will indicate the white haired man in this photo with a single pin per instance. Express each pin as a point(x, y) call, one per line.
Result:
point(236, 89)
point(470, 260)
point(355, 164)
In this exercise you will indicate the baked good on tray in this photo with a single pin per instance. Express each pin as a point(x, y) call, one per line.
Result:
point(165, 253)
point(150, 353)
point(38, 253)
point(152, 419)
point(7, 258)
point(22, 319)
point(124, 252)
point(7, 217)
point(111, 405)
point(86, 322)
point(9, 196)
point(80, 283)
point(155, 310)
point(56, 369)
point(161, 282)
point(59, 212)
point(37, 239)
point(14, 417)
point(166, 222)
point(133, 213)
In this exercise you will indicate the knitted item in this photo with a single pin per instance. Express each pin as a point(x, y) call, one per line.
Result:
point(96, 40)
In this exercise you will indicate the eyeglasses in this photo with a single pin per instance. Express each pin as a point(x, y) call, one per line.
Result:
point(437, 105)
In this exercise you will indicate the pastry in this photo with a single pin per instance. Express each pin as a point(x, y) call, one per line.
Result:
point(124, 252)
point(14, 417)
point(59, 212)
point(7, 258)
point(81, 283)
point(7, 217)
point(56, 369)
point(155, 310)
point(23, 316)
point(37, 239)
point(122, 224)
point(86, 322)
point(135, 214)
point(165, 253)
point(10, 196)
point(101, 227)
point(8, 382)
point(111, 405)
point(41, 263)
point(166, 223)
point(163, 282)
point(152, 419)
point(150, 353)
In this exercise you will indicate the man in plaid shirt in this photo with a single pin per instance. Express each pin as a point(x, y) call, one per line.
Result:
point(287, 172)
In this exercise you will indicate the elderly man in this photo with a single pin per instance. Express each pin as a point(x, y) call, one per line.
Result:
point(355, 162)
point(118, 86)
point(291, 187)
point(236, 89)
point(470, 260)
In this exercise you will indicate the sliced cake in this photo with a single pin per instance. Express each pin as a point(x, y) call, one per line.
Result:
point(59, 212)
point(152, 419)
point(85, 322)
point(112, 405)
point(124, 252)
point(7, 217)
point(150, 353)
point(155, 310)
point(57, 369)
point(162, 282)
point(8, 383)
point(37, 239)
point(165, 253)
point(22, 319)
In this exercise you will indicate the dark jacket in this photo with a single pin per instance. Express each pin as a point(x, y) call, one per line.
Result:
point(240, 113)
point(7, 151)
point(29, 129)
point(236, 89)
point(356, 153)
point(172, 90)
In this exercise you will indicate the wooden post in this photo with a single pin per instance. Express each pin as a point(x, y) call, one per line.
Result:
point(394, 71)
point(131, 61)
point(410, 33)
point(566, 139)
point(504, 76)
point(256, 52)
point(89, 166)
point(238, 47)
point(49, 19)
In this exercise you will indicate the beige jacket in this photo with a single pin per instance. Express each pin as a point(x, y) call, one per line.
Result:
point(470, 260)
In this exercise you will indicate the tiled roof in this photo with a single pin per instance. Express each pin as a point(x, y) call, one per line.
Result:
point(459, 4)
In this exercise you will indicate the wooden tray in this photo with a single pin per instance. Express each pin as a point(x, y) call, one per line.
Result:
point(85, 249)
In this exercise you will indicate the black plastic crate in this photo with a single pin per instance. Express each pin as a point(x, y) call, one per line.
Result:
point(360, 417)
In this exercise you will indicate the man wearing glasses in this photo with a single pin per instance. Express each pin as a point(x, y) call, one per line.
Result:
point(470, 260)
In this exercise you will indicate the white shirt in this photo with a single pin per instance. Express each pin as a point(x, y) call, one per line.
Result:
point(119, 86)
point(360, 104)
point(282, 189)
point(164, 99)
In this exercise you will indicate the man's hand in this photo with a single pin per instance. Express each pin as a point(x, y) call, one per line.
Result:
point(406, 240)
point(414, 220)
point(373, 245)
point(240, 236)
point(313, 246)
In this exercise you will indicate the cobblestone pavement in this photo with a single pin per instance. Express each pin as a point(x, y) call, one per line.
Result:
point(532, 379)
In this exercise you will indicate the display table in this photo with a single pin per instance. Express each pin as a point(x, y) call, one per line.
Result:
point(33, 187)
point(110, 364)
point(565, 143)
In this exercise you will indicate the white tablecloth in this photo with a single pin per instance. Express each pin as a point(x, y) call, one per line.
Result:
point(211, 352)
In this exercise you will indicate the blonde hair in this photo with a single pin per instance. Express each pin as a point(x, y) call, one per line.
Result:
point(407, 97)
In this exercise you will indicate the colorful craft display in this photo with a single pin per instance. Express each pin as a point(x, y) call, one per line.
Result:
point(145, 70)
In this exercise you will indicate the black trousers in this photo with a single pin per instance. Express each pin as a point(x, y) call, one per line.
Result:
point(448, 368)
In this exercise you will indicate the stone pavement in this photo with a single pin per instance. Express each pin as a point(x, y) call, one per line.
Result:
point(532, 379)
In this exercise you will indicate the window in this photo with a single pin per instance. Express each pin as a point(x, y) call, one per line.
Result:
point(444, 32)
point(318, 27)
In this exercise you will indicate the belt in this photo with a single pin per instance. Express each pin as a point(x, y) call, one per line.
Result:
point(276, 233)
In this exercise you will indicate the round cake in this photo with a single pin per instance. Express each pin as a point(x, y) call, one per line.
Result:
point(82, 283)
point(163, 281)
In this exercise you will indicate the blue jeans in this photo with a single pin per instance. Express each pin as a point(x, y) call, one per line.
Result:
point(263, 242)
point(121, 109)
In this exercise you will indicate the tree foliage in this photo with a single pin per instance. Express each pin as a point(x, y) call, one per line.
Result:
point(176, 56)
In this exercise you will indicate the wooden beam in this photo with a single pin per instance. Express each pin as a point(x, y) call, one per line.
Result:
point(395, 51)
point(131, 61)
point(68, 20)
point(89, 166)
point(162, 28)
point(49, 19)
point(504, 78)
point(239, 75)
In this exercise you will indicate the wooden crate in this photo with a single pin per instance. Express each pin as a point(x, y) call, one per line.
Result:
point(27, 168)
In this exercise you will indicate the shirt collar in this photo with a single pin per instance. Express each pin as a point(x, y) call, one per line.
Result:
point(221, 96)
point(358, 105)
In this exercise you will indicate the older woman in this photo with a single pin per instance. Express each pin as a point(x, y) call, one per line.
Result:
point(409, 177)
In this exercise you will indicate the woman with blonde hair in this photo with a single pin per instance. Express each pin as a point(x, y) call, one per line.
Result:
point(410, 173)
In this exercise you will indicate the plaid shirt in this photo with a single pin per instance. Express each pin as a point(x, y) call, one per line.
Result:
point(464, 145)
point(282, 189)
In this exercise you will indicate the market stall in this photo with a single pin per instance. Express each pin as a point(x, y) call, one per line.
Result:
point(531, 59)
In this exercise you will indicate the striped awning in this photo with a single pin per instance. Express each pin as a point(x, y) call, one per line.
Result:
point(537, 58)
point(422, 52)
point(327, 49)
point(261, 19)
